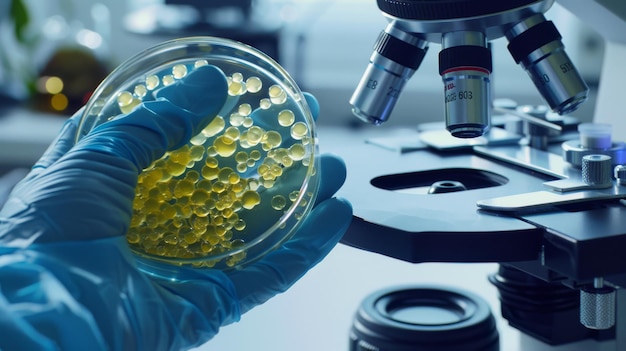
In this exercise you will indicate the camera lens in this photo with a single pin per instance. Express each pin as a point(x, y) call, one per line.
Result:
point(536, 45)
point(465, 67)
point(396, 56)
point(423, 318)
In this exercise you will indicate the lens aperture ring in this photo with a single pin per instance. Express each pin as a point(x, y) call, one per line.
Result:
point(532, 39)
point(465, 56)
point(399, 51)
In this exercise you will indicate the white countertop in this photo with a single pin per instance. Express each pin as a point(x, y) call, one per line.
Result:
point(25, 135)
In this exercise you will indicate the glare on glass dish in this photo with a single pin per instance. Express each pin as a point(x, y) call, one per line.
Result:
point(240, 187)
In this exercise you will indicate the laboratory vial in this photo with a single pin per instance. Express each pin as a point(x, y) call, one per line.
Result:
point(239, 188)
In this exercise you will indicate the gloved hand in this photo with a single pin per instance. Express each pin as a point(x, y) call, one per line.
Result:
point(68, 280)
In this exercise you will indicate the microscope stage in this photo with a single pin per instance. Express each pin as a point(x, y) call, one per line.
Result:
point(395, 215)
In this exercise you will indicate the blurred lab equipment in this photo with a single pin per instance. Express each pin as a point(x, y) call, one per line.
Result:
point(275, 27)
point(75, 57)
point(228, 19)
point(55, 59)
point(528, 187)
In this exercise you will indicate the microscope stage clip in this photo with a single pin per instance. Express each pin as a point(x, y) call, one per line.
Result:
point(542, 199)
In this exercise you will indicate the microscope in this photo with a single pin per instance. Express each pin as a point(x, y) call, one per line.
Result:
point(524, 186)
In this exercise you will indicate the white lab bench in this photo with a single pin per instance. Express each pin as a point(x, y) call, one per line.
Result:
point(316, 313)
point(25, 134)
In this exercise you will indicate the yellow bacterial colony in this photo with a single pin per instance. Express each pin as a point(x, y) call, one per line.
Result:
point(195, 202)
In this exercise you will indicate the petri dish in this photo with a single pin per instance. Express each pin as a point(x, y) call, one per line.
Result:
point(242, 186)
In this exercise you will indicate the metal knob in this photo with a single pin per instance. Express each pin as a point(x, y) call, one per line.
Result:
point(596, 170)
point(597, 306)
point(619, 173)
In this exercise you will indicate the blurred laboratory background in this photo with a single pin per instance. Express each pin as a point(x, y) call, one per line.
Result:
point(324, 44)
point(56, 51)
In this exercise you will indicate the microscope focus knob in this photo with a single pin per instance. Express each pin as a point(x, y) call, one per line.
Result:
point(597, 307)
point(597, 170)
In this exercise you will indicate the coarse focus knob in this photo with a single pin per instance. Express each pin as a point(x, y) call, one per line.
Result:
point(596, 170)
point(619, 173)
point(597, 308)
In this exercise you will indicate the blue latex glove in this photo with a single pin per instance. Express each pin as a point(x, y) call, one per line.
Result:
point(68, 280)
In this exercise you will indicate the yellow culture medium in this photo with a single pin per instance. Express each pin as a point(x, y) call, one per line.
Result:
point(196, 202)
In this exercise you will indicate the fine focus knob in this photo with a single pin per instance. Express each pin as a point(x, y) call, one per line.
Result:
point(596, 170)
point(597, 308)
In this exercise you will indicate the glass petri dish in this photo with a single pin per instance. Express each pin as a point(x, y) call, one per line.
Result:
point(239, 188)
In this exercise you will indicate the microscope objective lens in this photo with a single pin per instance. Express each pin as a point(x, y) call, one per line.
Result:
point(396, 56)
point(536, 45)
point(465, 68)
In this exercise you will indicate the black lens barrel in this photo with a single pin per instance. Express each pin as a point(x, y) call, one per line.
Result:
point(407, 55)
point(465, 56)
point(424, 318)
point(532, 39)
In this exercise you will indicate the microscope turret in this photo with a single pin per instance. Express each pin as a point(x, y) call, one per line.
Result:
point(464, 29)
